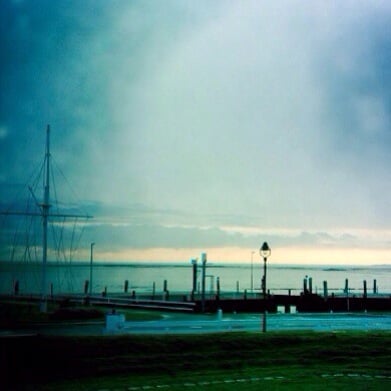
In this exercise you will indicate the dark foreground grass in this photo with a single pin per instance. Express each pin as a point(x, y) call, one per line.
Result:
point(226, 361)
point(284, 378)
point(21, 314)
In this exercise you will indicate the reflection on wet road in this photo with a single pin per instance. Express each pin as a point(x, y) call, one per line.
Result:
point(275, 322)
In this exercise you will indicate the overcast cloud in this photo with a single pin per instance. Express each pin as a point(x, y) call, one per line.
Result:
point(201, 125)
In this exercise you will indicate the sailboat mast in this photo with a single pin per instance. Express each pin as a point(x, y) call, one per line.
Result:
point(44, 214)
point(45, 217)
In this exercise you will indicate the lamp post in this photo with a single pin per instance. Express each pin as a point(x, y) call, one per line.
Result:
point(91, 259)
point(265, 252)
point(252, 273)
point(194, 289)
point(203, 260)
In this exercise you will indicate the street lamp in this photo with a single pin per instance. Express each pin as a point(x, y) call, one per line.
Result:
point(252, 274)
point(91, 259)
point(194, 289)
point(203, 260)
point(264, 252)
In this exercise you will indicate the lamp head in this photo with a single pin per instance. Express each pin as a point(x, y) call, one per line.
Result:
point(265, 251)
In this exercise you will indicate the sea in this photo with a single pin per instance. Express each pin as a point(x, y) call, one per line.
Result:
point(144, 277)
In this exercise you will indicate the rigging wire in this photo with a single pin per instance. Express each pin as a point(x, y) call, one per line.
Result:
point(74, 195)
point(31, 235)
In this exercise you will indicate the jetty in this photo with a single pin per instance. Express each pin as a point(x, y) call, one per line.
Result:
point(304, 302)
point(198, 299)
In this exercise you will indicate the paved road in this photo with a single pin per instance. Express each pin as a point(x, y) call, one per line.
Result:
point(275, 322)
point(193, 324)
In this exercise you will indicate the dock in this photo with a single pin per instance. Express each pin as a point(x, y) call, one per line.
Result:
point(303, 303)
point(228, 302)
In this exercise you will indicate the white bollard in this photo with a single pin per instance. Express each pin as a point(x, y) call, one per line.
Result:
point(114, 321)
point(219, 314)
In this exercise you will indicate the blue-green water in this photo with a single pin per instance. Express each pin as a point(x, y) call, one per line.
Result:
point(233, 277)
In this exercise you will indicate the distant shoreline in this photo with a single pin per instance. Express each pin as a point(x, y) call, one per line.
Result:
point(151, 264)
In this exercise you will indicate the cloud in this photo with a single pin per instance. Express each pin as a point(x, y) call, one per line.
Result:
point(173, 121)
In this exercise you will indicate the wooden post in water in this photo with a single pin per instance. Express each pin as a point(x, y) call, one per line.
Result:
point(16, 288)
point(347, 294)
point(310, 284)
point(126, 286)
point(86, 283)
point(165, 290)
point(194, 268)
point(325, 292)
point(218, 287)
point(153, 290)
point(364, 301)
point(374, 287)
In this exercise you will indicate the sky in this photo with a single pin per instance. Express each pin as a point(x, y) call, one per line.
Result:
point(205, 126)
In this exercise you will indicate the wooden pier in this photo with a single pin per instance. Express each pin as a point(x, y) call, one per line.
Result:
point(303, 303)
point(229, 302)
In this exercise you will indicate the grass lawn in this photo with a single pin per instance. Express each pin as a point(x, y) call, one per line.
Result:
point(227, 361)
point(223, 361)
point(283, 378)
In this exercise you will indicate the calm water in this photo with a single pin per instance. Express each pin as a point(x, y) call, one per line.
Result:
point(142, 276)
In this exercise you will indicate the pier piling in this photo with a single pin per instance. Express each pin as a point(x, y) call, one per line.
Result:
point(194, 265)
point(325, 290)
point(86, 284)
point(346, 289)
point(305, 290)
point(165, 286)
point(16, 287)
